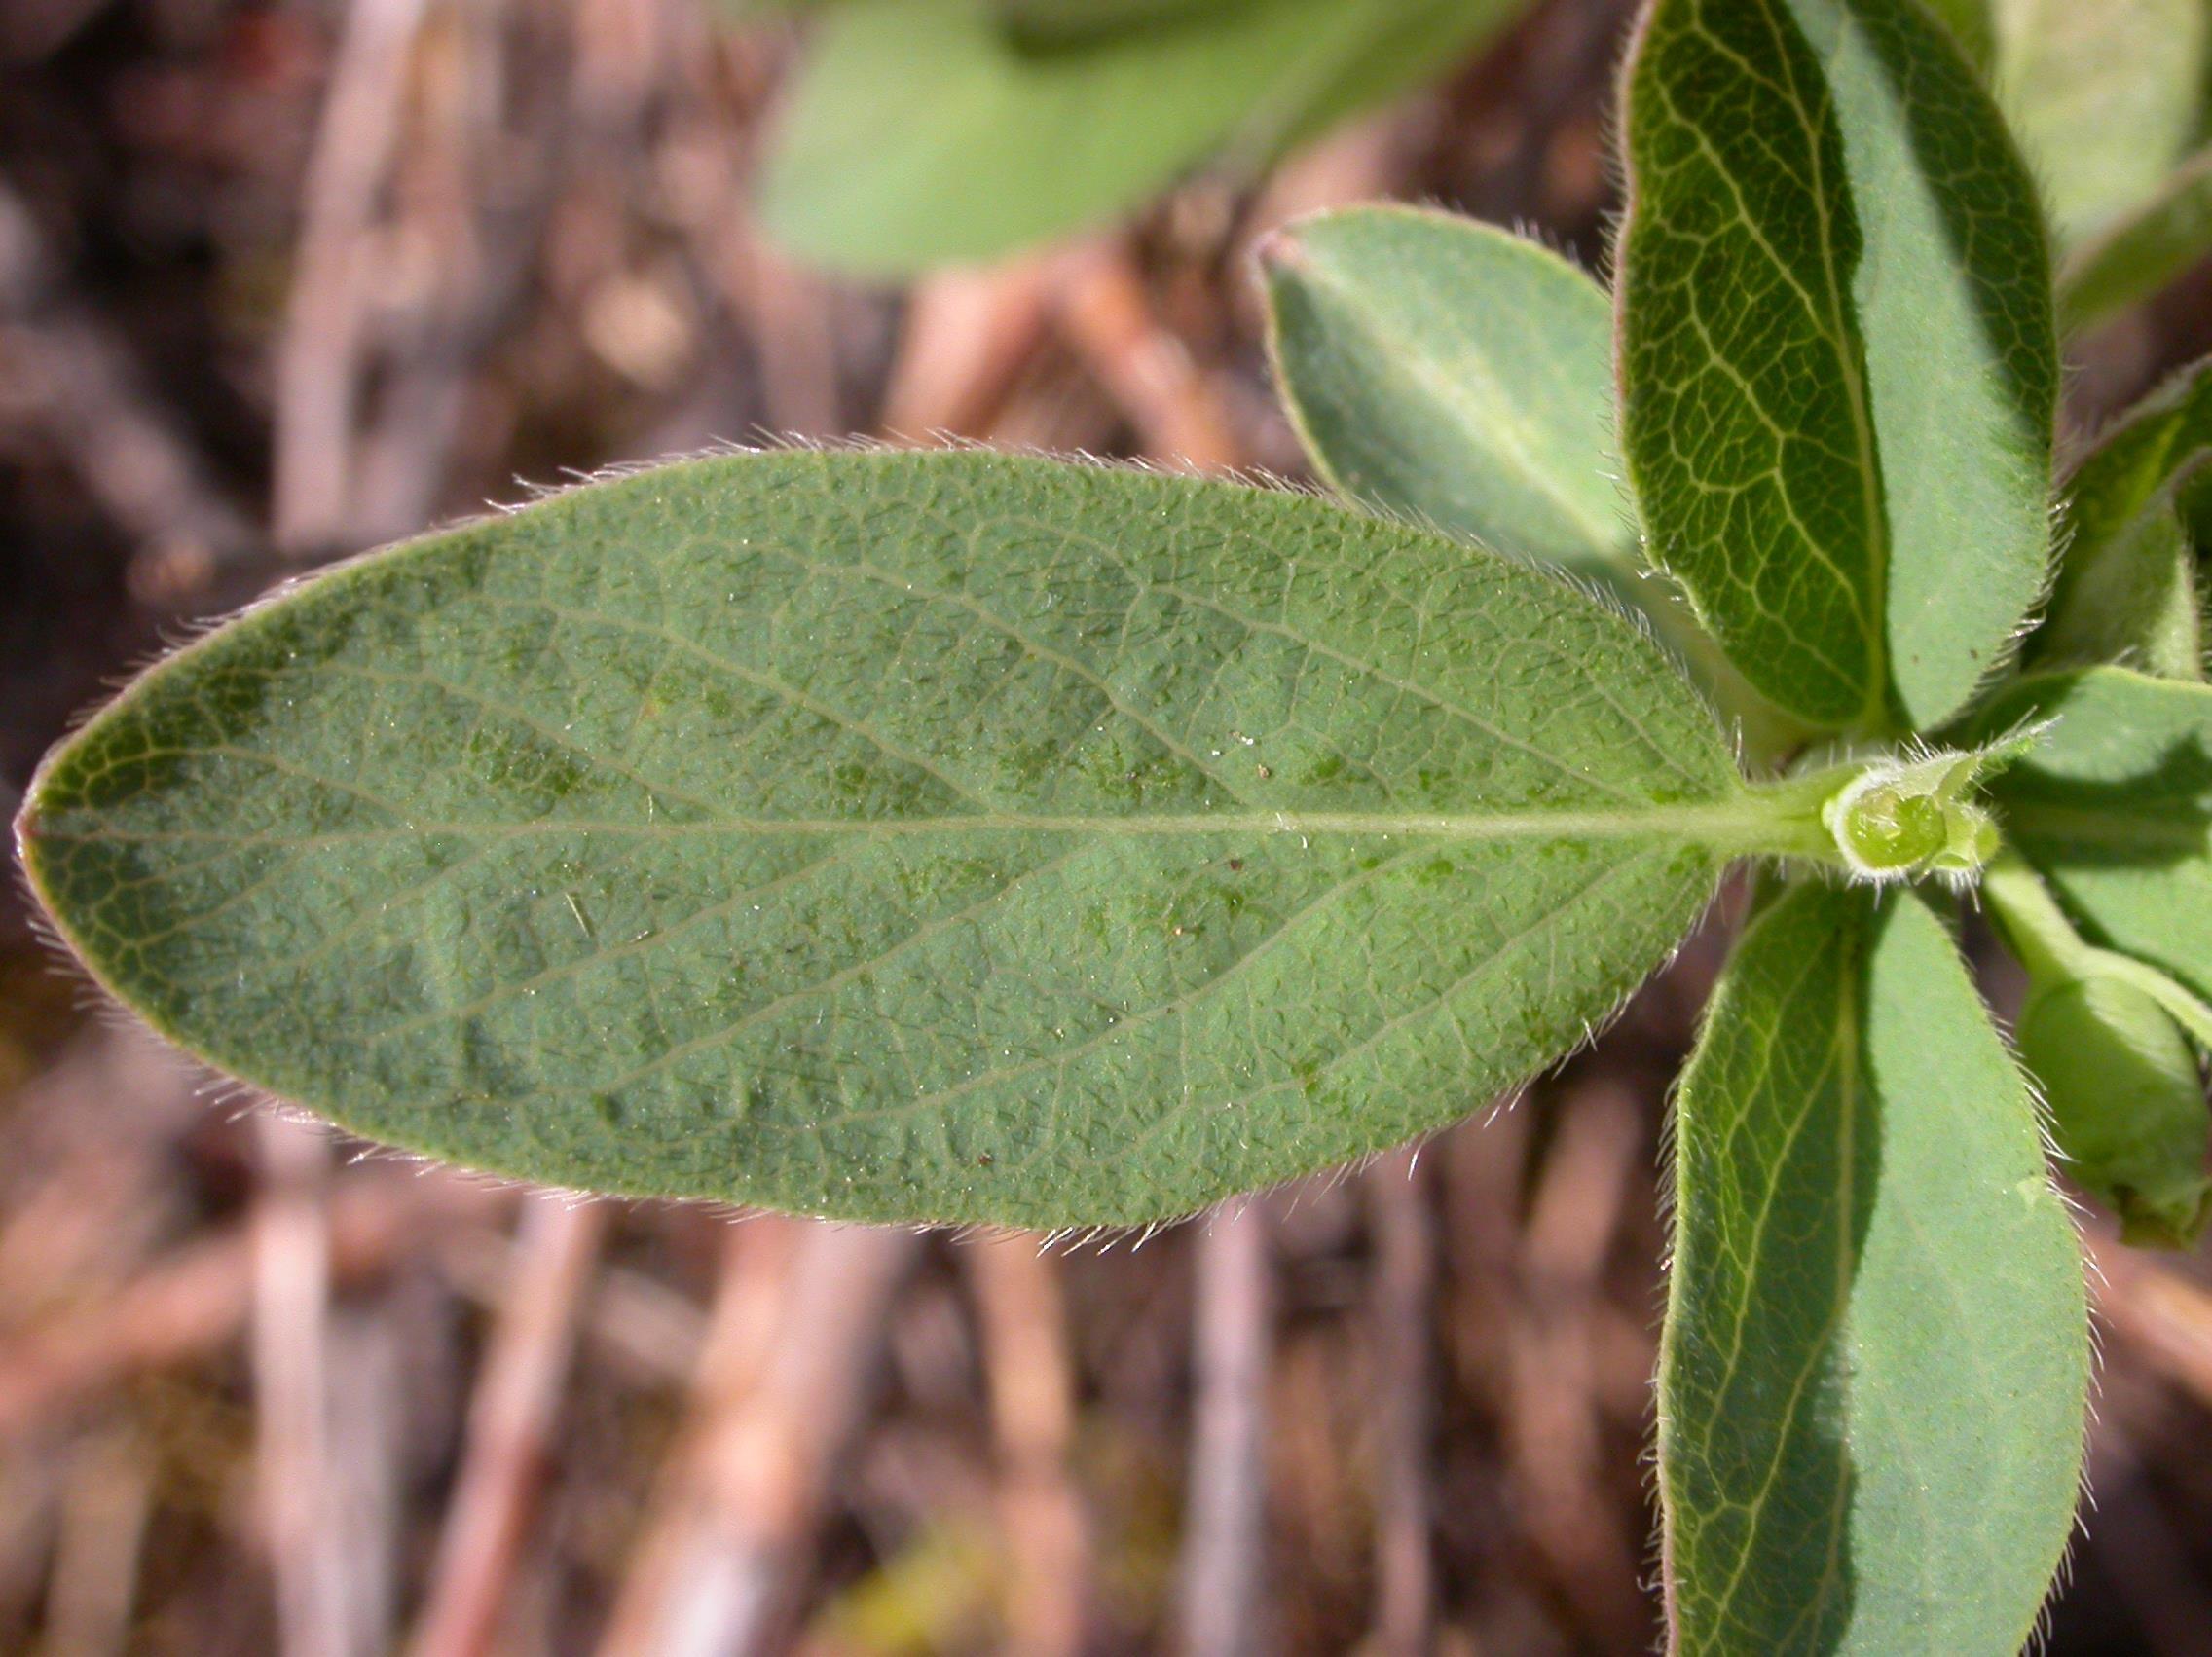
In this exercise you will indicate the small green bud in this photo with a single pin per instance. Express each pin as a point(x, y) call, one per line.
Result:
point(1905, 817)
point(2127, 1103)
point(1887, 829)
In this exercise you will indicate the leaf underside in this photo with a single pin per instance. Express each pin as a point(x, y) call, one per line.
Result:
point(1837, 362)
point(943, 836)
point(1872, 1381)
point(1447, 370)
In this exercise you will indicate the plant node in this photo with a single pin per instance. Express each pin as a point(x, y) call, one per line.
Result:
point(1905, 817)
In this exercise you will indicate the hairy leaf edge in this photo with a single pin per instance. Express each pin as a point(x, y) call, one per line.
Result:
point(1746, 841)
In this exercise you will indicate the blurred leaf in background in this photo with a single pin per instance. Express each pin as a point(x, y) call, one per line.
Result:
point(924, 133)
point(2106, 98)
point(2109, 102)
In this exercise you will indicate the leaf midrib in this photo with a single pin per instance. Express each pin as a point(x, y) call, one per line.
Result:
point(1829, 322)
point(1842, 1060)
point(942, 1097)
point(1721, 823)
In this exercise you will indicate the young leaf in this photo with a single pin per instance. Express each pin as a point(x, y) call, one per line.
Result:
point(1443, 370)
point(1972, 29)
point(940, 836)
point(2114, 806)
point(2146, 449)
point(2130, 593)
point(1837, 364)
point(1447, 370)
point(923, 131)
point(2127, 586)
point(2142, 250)
point(1917, 814)
point(2098, 1032)
point(1874, 1367)
point(2105, 97)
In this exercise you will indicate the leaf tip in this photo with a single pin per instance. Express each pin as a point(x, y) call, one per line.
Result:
point(1283, 251)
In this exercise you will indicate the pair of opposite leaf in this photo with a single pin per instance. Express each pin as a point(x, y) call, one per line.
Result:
point(958, 836)
point(1405, 408)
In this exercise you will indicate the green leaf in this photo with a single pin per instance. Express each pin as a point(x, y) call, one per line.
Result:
point(923, 132)
point(2114, 806)
point(2143, 250)
point(1053, 23)
point(2127, 1100)
point(2145, 450)
point(1971, 27)
point(1917, 814)
point(1451, 373)
point(942, 836)
point(1838, 371)
point(2127, 586)
point(2099, 1033)
point(1874, 1369)
point(1444, 371)
point(1406, 44)
point(2105, 97)
point(2130, 595)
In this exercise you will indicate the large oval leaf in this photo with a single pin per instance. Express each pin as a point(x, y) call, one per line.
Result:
point(1837, 360)
point(1875, 1370)
point(945, 837)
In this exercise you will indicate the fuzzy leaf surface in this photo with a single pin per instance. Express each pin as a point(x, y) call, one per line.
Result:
point(942, 836)
point(1442, 370)
point(1875, 1363)
point(924, 133)
point(1837, 361)
point(1447, 370)
point(2114, 806)
point(2127, 587)
point(2150, 445)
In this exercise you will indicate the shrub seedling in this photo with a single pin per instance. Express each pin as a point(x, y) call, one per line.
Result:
point(966, 837)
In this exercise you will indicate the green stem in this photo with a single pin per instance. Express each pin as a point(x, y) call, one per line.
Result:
point(2047, 945)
